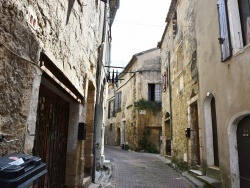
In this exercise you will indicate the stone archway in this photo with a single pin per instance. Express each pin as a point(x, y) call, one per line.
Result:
point(211, 140)
point(233, 148)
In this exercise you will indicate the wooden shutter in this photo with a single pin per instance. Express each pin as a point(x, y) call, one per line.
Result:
point(119, 101)
point(224, 39)
point(163, 82)
point(116, 101)
point(109, 109)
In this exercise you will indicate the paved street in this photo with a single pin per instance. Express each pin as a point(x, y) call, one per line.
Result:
point(136, 170)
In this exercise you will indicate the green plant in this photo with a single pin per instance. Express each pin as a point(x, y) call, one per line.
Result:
point(180, 164)
point(145, 144)
point(151, 105)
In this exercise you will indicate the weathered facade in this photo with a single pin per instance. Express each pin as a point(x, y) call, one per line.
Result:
point(51, 57)
point(141, 79)
point(223, 95)
point(180, 85)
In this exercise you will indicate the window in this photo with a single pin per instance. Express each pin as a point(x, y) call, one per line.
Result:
point(110, 127)
point(244, 9)
point(175, 27)
point(234, 22)
point(118, 101)
point(154, 92)
point(165, 80)
point(224, 39)
point(166, 73)
point(111, 110)
point(32, 20)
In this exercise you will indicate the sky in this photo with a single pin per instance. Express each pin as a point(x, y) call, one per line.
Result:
point(138, 26)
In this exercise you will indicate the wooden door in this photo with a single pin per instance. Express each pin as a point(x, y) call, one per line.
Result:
point(243, 141)
point(51, 137)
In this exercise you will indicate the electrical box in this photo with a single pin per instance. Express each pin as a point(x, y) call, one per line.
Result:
point(187, 132)
point(81, 131)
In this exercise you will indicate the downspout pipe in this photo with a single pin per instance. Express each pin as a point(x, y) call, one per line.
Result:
point(98, 85)
point(170, 98)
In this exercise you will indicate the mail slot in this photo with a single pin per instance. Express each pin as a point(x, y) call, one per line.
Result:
point(20, 170)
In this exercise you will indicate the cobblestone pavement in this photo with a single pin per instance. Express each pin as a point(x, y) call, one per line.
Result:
point(141, 170)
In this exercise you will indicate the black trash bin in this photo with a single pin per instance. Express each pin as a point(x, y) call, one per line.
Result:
point(20, 170)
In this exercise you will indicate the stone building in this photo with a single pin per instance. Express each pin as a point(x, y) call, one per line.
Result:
point(133, 113)
point(51, 68)
point(224, 86)
point(180, 86)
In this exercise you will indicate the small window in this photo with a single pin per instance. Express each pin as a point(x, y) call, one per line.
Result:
point(175, 26)
point(154, 92)
point(111, 110)
point(164, 81)
point(110, 127)
point(32, 21)
point(118, 101)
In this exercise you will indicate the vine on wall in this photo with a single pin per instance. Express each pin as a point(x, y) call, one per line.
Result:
point(142, 104)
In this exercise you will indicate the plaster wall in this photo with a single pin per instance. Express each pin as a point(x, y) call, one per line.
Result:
point(227, 82)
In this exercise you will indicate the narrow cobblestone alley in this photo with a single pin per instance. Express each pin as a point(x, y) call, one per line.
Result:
point(132, 169)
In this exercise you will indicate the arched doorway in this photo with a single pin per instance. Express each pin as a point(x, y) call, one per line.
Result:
point(243, 143)
point(211, 136)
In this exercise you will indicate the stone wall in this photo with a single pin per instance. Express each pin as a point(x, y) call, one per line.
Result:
point(178, 47)
point(144, 68)
point(17, 77)
point(69, 33)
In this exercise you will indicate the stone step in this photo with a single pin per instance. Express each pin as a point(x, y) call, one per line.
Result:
point(192, 178)
point(195, 172)
point(87, 181)
point(94, 185)
point(210, 181)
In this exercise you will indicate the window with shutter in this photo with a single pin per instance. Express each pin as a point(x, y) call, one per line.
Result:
point(109, 110)
point(224, 39)
point(118, 101)
point(244, 6)
point(164, 79)
point(154, 92)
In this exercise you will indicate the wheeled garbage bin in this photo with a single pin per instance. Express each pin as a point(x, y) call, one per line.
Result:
point(20, 171)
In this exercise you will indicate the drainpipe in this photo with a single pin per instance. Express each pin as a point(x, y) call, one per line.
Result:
point(98, 85)
point(170, 97)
